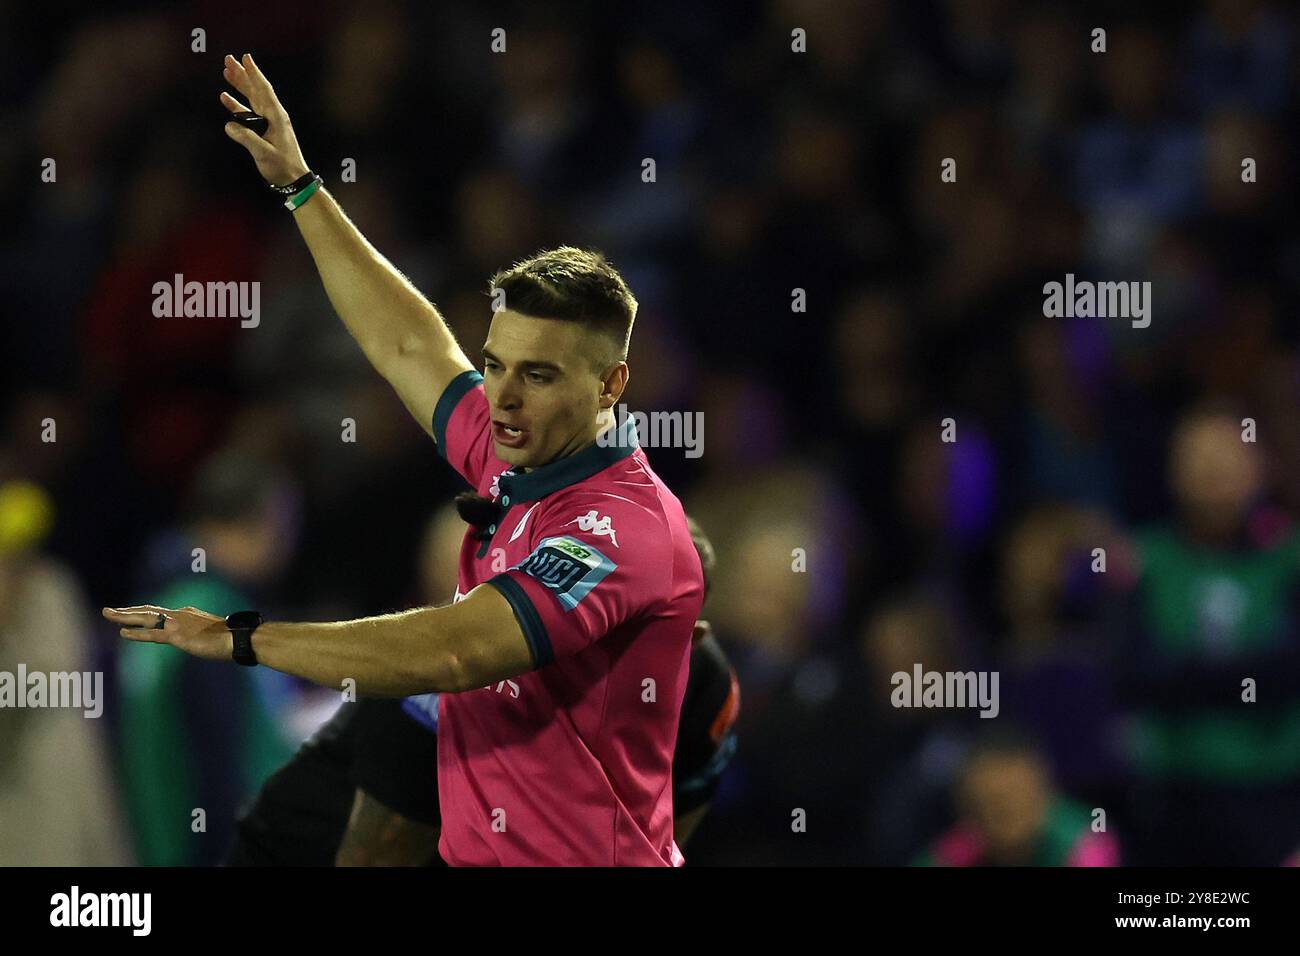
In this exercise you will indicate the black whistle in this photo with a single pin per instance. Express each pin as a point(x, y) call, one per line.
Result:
point(250, 120)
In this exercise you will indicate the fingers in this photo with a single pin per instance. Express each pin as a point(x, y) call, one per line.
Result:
point(249, 80)
point(232, 104)
point(140, 622)
point(237, 76)
point(143, 635)
point(141, 615)
point(252, 70)
point(246, 138)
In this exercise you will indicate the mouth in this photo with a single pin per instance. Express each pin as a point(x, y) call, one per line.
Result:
point(509, 435)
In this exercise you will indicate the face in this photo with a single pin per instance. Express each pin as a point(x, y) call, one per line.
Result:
point(1006, 797)
point(1215, 474)
point(544, 388)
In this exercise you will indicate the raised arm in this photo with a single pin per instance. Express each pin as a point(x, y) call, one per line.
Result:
point(398, 329)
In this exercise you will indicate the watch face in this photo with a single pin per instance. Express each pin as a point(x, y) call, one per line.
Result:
point(243, 619)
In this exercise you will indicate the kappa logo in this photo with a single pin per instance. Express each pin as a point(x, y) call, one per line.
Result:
point(597, 526)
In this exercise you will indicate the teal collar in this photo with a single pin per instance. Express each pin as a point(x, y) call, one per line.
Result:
point(613, 446)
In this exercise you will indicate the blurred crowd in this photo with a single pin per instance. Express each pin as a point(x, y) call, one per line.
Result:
point(1112, 529)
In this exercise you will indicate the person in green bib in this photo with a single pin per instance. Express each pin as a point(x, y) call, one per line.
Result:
point(1210, 661)
point(198, 735)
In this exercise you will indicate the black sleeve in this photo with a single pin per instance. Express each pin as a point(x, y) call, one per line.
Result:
point(705, 739)
point(396, 760)
point(299, 815)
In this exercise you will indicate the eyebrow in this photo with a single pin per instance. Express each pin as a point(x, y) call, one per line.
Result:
point(529, 365)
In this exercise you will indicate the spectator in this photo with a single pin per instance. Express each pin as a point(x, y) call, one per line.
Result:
point(1012, 815)
point(202, 735)
point(1217, 764)
point(58, 797)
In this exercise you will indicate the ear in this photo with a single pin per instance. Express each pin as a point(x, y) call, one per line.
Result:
point(612, 384)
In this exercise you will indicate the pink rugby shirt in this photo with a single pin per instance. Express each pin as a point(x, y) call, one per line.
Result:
point(570, 763)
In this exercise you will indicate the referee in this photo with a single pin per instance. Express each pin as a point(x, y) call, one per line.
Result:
point(562, 676)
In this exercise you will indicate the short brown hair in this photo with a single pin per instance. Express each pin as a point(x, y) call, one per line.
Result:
point(573, 285)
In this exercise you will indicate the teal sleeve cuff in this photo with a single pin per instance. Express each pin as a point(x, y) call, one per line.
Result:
point(530, 622)
point(447, 402)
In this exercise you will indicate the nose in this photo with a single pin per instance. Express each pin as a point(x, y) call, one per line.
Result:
point(509, 397)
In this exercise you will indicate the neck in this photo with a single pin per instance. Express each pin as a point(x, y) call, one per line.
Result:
point(604, 422)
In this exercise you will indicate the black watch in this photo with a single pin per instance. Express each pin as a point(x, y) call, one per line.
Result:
point(242, 624)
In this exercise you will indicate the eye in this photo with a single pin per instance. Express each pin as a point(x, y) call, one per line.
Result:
point(539, 378)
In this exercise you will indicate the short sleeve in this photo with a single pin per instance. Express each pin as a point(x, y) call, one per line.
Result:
point(462, 426)
point(596, 564)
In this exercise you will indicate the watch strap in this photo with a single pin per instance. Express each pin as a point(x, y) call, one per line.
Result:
point(241, 625)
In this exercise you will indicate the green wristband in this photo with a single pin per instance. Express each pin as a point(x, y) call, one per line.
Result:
point(300, 197)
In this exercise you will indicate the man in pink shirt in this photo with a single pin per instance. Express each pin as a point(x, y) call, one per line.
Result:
point(605, 584)
point(563, 662)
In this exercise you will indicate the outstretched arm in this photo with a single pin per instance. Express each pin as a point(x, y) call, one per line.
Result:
point(454, 648)
point(398, 329)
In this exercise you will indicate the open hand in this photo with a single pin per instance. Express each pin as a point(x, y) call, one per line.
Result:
point(193, 631)
point(277, 155)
